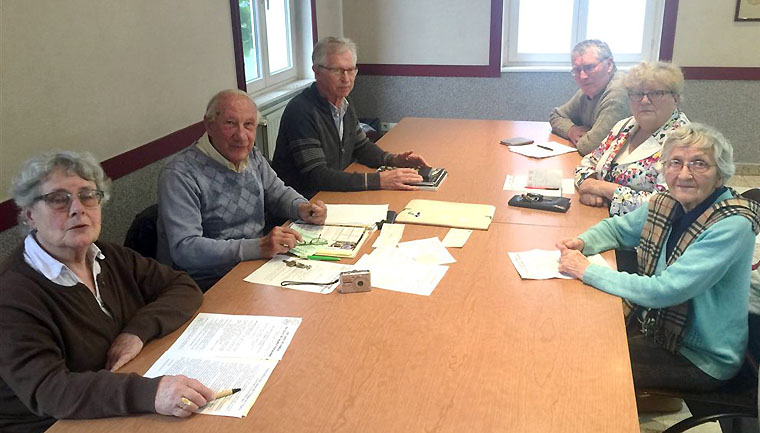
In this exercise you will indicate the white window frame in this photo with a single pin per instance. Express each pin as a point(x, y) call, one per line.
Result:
point(267, 80)
point(650, 45)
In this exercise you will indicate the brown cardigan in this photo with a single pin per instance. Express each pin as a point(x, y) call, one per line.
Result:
point(54, 339)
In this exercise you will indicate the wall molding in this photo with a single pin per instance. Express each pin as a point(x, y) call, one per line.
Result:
point(491, 70)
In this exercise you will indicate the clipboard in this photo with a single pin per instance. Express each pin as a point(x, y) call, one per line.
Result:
point(447, 214)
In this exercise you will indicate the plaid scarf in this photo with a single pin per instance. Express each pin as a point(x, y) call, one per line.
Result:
point(666, 325)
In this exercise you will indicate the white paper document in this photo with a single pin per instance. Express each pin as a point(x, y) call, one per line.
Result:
point(390, 235)
point(456, 238)
point(429, 251)
point(520, 183)
point(542, 150)
point(225, 351)
point(392, 270)
point(544, 264)
point(276, 270)
point(355, 214)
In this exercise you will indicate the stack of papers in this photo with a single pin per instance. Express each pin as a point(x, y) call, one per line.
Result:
point(225, 351)
point(414, 267)
point(521, 184)
point(365, 215)
point(542, 150)
point(447, 214)
point(544, 264)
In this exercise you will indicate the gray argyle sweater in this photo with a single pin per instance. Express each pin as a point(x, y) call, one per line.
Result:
point(211, 218)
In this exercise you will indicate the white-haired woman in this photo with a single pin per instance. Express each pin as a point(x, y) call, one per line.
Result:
point(687, 306)
point(73, 310)
point(626, 168)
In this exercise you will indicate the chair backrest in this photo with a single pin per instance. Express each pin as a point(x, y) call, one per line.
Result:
point(142, 235)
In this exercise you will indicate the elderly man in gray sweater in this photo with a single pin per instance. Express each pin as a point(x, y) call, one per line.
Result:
point(599, 103)
point(212, 197)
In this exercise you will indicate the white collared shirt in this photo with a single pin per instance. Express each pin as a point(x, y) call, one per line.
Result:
point(208, 149)
point(337, 114)
point(57, 272)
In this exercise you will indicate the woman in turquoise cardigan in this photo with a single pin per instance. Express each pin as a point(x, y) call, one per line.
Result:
point(686, 308)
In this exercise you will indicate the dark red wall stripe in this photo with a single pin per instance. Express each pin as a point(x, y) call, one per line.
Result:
point(237, 45)
point(126, 163)
point(314, 33)
point(668, 36)
point(722, 73)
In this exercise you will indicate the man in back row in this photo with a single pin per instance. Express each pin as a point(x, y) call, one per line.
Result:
point(212, 197)
point(601, 101)
point(320, 135)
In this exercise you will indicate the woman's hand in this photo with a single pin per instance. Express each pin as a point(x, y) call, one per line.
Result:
point(599, 188)
point(180, 396)
point(573, 263)
point(570, 243)
point(123, 349)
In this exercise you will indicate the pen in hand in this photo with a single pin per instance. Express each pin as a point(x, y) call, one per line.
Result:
point(220, 394)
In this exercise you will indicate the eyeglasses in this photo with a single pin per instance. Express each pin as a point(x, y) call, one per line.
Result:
point(338, 72)
point(696, 166)
point(576, 71)
point(314, 241)
point(532, 197)
point(61, 200)
point(653, 95)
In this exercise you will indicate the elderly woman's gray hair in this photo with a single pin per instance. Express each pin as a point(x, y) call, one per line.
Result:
point(331, 45)
point(27, 185)
point(212, 108)
point(660, 75)
point(706, 138)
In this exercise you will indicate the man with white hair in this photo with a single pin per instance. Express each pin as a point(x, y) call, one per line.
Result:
point(599, 103)
point(320, 134)
point(212, 197)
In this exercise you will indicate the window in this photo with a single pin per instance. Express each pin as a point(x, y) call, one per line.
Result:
point(535, 37)
point(267, 32)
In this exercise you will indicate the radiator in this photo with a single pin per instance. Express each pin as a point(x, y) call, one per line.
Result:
point(269, 125)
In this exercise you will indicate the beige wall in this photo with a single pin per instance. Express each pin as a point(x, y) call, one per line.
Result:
point(329, 18)
point(428, 32)
point(106, 76)
point(706, 35)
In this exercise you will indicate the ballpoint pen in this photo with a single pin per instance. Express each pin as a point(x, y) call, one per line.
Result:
point(545, 147)
point(219, 394)
point(322, 258)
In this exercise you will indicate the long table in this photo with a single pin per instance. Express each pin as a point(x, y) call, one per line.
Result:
point(486, 352)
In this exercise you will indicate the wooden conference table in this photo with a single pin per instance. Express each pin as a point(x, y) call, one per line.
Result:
point(486, 352)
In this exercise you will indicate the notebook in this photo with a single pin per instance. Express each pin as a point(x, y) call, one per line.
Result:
point(447, 214)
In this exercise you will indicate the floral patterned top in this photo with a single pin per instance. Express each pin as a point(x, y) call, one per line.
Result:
point(639, 173)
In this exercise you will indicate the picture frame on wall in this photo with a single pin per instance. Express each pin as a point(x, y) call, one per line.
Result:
point(747, 10)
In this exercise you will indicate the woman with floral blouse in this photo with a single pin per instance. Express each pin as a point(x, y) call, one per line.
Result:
point(626, 169)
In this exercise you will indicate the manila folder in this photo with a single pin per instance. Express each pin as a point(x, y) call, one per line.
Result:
point(447, 214)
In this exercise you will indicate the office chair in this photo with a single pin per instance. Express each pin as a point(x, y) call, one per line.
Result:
point(736, 399)
point(142, 235)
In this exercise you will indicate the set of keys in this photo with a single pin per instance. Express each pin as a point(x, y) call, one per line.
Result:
point(296, 264)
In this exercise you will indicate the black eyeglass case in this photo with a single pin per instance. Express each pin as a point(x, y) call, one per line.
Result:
point(552, 204)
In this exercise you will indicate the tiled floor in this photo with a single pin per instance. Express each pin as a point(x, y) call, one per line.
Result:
point(655, 423)
point(743, 183)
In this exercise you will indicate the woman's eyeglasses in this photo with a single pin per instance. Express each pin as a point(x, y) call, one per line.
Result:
point(696, 166)
point(61, 200)
point(653, 95)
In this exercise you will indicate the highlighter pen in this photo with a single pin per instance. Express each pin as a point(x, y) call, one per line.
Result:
point(545, 147)
point(323, 258)
point(219, 394)
point(549, 188)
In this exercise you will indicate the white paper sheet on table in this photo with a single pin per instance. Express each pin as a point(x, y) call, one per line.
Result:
point(356, 214)
point(392, 270)
point(390, 235)
point(520, 183)
point(456, 238)
point(226, 351)
point(534, 151)
point(429, 251)
point(543, 264)
point(275, 271)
